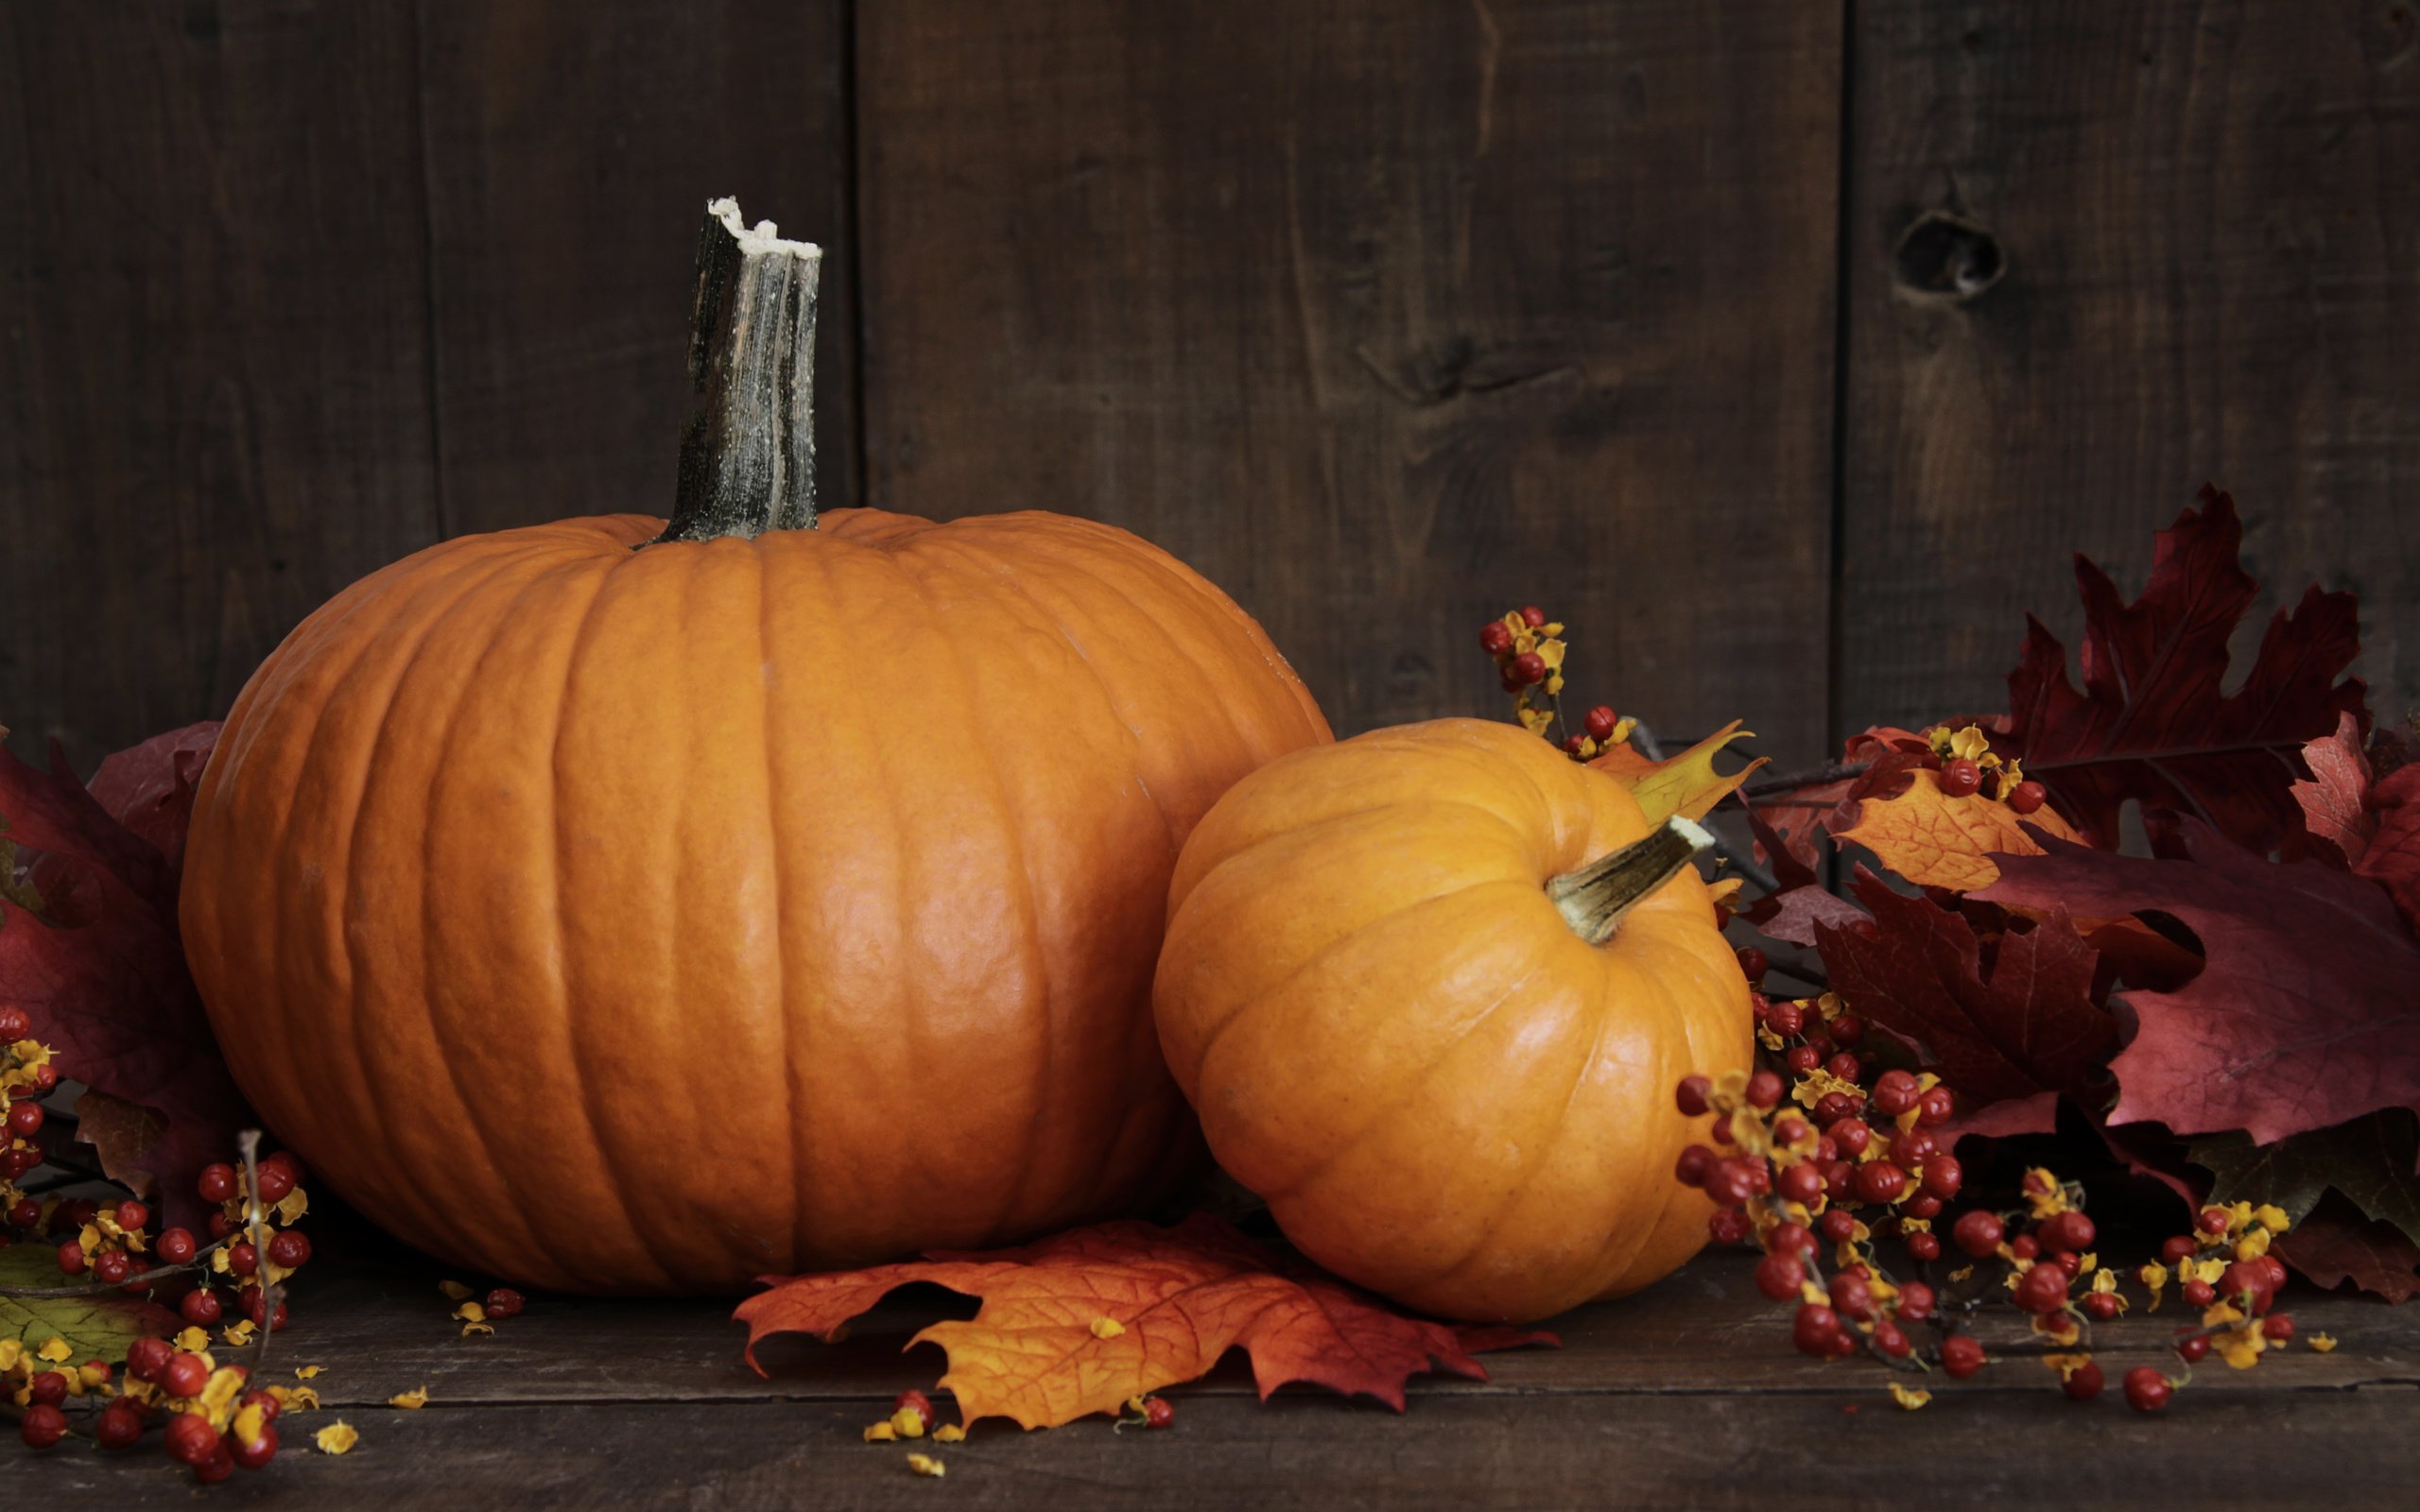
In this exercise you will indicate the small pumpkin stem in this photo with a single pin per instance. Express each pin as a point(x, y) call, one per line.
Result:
point(1594, 899)
point(748, 456)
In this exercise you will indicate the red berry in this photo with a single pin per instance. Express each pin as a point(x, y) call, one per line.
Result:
point(174, 1246)
point(1915, 1301)
point(1158, 1412)
point(144, 1357)
point(1801, 1184)
point(1779, 1276)
point(2027, 796)
point(2147, 1390)
point(1804, 1058)
point(1527, 669)
point(1695, 1162)
point(1814, 1328)
point(1961, 777)
point(46, 1078)
point(220, 1465)
point(1729, 1225)
point(1840, 1180)
point(2068, 1260)
point(915, 1401)
point(27, 1213)
point(268, 1404)
point(293, 1250)
point(221, 1225)
point(2211, 1220)
point(71, 1259)
point(1532, 616)
point(2240, 1279)
point(250, 1297)
point(1851, 1135)
point(1962, 1355)
point(2192, 1348)
point(2279, 1327)
point(1848, 1030)
point(2270, 1266)
point(1891, 1340)
point(505, 1302)
point(1923, 1246)
point(1496, 637)
point(1691, 1095)
point(185, 1375)
point(1764, 1089)
point(1880, 1181)
point(277, 1182)
point(190, 1438)
point(43, 1426)
point(25, 1119)
point(2100, 1306)
point(1943, 1177)
point(2024, 1247)
point(2199, 1294)
point(1844, 1066)
point(14, 1025)
point(118, 1427)
point(1913, 1148)
point(1788, 1018)
point(2042, 1289)
point(1851, 1296)
point(217, 1183)
point(1894, 1092)
point(1790, 1128)
point(200, 1307)
point(1837, 1226)
point(1834, 1105)
point(1754, 964)
point(258, 1451)
point(243, 1258)
point(2068, 1230)
point(1599, 722)
point(2083, 1383)
point(132, 1215)
point(1788, 1238)
point(1936, 1107)
point(49, 1388)
point(112, 1266)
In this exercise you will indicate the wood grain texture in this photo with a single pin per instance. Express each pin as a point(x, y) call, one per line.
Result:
point(214, 382)
point(2211, 252)
point(1686, 1395)
point(570, 148)
point(1387, 317)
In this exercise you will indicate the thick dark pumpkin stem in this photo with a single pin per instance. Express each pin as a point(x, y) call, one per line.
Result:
point(748, 457)
point(1595, 898)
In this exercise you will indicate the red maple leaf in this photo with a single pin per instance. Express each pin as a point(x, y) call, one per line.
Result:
point(2153, 723)
point(2304, 1015)
point(2373, 823)
point(98, 966)
point(2025, 1029)
point(1081, 1322)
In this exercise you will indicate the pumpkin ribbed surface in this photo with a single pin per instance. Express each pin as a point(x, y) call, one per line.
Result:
point(654, 920)
point(1391, 1035)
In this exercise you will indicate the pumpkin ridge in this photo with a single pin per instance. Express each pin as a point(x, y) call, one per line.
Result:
point(366, 1098)
point(575, 647)
point(792, 1112)
point(1341, 1148)
point(1037, 965)
point(496, 619)
point(1333, 946)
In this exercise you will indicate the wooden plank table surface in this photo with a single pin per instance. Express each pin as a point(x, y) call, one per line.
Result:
point(1686, 1395)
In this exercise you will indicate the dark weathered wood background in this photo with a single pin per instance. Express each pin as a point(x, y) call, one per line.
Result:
point(1786, 347)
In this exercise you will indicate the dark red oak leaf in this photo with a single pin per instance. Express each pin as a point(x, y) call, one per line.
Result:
point(2026, 1027)
point(2305, 1016)
point(2336, 1244)
point(2392, 858)
point(99, 968)
point(2154, 722)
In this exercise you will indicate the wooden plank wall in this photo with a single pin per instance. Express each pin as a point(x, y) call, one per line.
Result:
point(1784, 346)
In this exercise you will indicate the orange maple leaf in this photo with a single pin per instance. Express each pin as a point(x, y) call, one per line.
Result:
point(1080, 1323)
point(1935, 840)
point(1685, 784)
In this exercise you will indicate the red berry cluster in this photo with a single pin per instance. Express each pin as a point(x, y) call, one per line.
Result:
point(214, 1420)
point(1529, 651)
point(1968, 765)
point(1817, 1160)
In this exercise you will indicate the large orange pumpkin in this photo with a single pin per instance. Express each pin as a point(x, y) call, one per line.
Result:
point(1429, 990)
point(622, 915)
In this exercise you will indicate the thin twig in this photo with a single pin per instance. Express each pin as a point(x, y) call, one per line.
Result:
point(256, 1230)
point(1792, 782)
point(40, 1293)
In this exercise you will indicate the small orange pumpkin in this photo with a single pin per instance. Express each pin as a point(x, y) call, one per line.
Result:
point(1429, 991)
point(617, 907)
